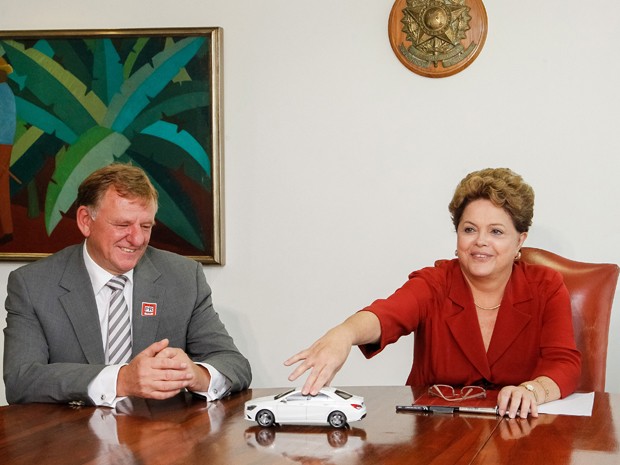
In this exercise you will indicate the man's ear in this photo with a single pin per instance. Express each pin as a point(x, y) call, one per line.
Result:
point(83, 220)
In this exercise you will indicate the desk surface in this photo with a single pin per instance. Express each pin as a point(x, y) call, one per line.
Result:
point(187, 431)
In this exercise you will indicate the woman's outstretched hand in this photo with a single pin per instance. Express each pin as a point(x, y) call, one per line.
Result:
point(324, 359)
point(326, 356)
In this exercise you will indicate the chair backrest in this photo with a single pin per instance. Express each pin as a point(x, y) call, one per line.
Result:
point(591, 287)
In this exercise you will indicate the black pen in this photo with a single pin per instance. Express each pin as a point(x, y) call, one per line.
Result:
point(440, 409)
point(413, 408)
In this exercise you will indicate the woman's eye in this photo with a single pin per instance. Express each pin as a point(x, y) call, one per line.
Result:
point(497, 232)
point(468, 229)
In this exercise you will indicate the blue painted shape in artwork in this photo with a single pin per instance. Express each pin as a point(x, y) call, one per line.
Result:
point(182, 139)
point(44, 120)
point(108, 70)
point(44, 47)
point(8, 114)
point(138, 90)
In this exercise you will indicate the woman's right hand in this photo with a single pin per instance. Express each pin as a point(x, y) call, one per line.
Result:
point(324, 358)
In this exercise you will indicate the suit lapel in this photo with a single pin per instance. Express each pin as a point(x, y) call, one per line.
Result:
point(511, 320)
point(145, 291)
point(464, 324)
point(81, 308)
point(512, 317)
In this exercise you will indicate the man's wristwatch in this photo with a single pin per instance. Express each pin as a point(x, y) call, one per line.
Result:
point(530, 388)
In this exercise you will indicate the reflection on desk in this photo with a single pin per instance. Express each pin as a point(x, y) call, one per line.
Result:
point(303, 445)
point(159, 432)
point(560, 439)
point(188, 431)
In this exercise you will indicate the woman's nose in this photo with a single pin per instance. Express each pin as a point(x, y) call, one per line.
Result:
point(481, 239)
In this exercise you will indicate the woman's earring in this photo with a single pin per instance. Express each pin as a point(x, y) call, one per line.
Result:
point(456, 253)
point(518, 256)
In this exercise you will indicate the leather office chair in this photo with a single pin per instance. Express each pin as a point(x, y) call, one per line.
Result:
point(591, 287)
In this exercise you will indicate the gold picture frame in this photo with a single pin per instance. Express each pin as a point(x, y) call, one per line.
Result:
point(86, 98)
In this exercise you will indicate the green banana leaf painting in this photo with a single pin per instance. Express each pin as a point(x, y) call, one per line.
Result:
point(85, 99)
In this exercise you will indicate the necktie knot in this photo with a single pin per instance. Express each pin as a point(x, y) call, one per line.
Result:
point(117, 283)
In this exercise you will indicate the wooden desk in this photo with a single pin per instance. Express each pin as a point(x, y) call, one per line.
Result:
point(187, 431)
point(559, 439)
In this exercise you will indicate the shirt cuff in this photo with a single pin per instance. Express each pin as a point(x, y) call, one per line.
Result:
point(102, 389)
point(218, 387)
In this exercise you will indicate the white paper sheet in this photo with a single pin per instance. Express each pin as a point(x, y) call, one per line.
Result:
point(579, 404)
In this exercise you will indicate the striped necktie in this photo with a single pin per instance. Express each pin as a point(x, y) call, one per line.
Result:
point(118, 349)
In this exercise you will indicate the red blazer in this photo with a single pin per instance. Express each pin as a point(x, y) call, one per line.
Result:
point(533, 334)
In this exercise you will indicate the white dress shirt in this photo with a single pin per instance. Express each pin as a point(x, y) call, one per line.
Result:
point(102, 389)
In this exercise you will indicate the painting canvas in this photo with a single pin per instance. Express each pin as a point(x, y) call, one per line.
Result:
point(74, 101)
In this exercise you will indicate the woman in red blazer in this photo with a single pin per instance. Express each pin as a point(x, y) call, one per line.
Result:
point(483, 318)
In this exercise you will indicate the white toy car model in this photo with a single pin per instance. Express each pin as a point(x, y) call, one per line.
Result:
point(333, 406)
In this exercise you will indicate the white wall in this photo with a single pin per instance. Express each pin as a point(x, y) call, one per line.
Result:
point(340, 162)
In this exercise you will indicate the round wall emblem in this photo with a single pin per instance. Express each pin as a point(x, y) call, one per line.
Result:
point(437, 38)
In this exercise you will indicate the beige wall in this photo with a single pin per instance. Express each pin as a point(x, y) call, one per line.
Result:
point(340, 162)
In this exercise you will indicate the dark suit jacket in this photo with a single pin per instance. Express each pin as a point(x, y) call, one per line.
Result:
point(53, 346)
point(533, 334)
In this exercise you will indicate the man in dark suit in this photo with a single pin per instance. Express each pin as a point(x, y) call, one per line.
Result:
point(60, 334)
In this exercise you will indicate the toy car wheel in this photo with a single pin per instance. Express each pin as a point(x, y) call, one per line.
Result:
point(265, 418)
point(337, 419)
point(337, 438)
point(265, 437)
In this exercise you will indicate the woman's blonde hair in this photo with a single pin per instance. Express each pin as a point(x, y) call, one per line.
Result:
point(503, 187)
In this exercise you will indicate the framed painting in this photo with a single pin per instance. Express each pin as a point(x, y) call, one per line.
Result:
point(73, 101)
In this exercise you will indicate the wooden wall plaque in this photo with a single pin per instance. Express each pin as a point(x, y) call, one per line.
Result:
point(437, 38)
